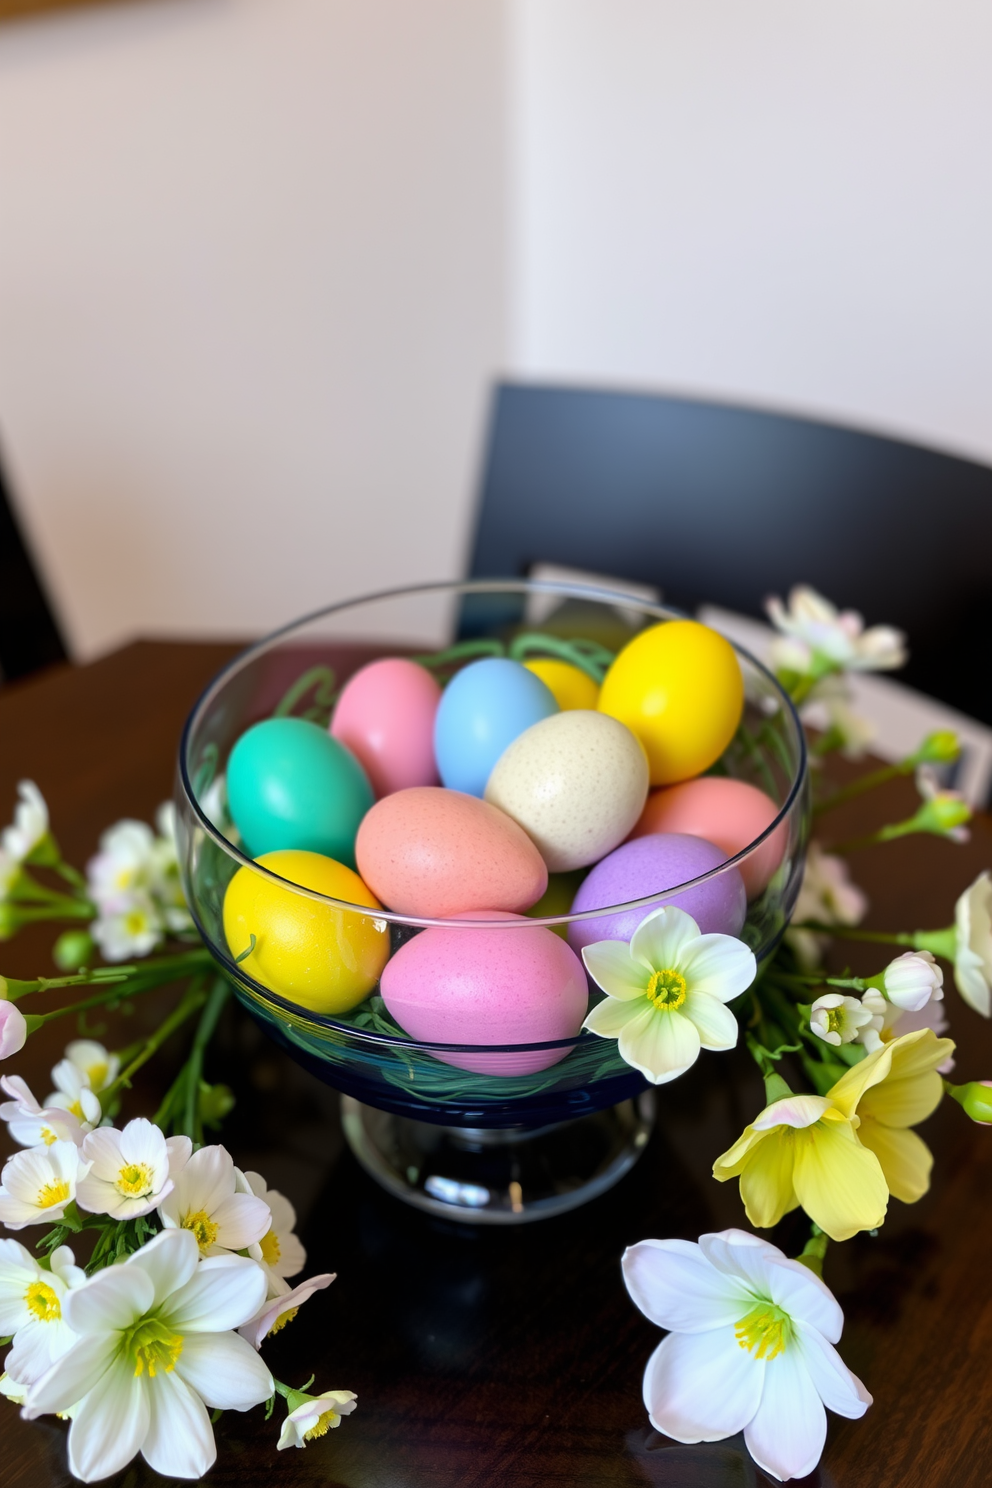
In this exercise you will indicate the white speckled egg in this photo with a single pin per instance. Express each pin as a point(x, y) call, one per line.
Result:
point(576, 782)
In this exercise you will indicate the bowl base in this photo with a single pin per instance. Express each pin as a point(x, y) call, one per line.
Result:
point(503, 1176)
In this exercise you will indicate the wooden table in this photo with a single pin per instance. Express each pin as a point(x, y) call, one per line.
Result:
point(484, 1358)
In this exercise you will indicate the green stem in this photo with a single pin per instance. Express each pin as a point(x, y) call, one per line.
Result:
point(192, 1122)
point(169, 969)
point(193, 998)
point(865, 783)
point(814, 1251)
point(876, 937)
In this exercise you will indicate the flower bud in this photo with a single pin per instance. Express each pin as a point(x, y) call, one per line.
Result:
point(74, 950)
point(940, 748)
point(911, 981)
point(976, 1100)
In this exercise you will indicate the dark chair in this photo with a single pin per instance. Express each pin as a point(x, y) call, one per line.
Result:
point(29, 634)
point(728, 505)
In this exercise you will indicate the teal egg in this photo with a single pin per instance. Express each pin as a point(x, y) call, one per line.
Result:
point(291, 785)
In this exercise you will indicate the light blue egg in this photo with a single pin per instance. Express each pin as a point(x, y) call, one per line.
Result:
point(483, 709)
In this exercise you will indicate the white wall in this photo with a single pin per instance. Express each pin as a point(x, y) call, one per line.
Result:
point(251, 296)
point(259, 260)
point(787, 202)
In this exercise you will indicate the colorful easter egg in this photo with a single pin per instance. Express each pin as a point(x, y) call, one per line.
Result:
point(499, 986)
point(576, 782)
point(570, 686)
point(385, 715)
point(482, 710)
point(438, 853)
point(678, 687)
point(290, 785)
point(648, 865)
point(322, 958)
point(729, 813)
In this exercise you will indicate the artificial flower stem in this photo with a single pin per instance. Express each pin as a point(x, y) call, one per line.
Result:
point(104, 975)
point(941, 748)
point(192, 1119)
point(877, 937)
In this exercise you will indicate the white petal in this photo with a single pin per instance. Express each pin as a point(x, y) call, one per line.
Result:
point(224, 1292)
point(110, 1426)
point(207, 1179)
point(772, 1275)
point(673, 1284)
point(109, 1301)
point(719, 965)
point(702, 1386)
point(839, 1389)
point(789, 1429)
point(103, 1149)
point(65, 1268)
point(180, 1439)
point(74, 1375)
point(241, 1220)
point(169, 1260)
point(224, 1370)
point(610, 1017)
point(143, 1142)
point(662, 1045)
point(36, 1348)
point(662, 938)
point(180, 1149)
point(713, 1020)
point(613, 968)
point(292, 1256)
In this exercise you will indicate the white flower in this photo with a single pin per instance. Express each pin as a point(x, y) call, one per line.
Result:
point(31, 1308)
point(837, 638)
point(133, 927)
point(838, 1020)
point(204, 1199)
point(973, 953)
point(274, 1314)
point(943, 812)
point(30, 825)
point(827, 897)
point(666, 992)
point(154, 1349)
point(72, 1093)
point(131, 1171)
point(36, 1185)
point(880, 1015)
point(31, 1123)
point(279, 1252)
point(13, 1029)
point(315, 1416)
point(122, 864)
point(750, 1348)
point(912, 980)
point(93, 1061)
point(829, 708)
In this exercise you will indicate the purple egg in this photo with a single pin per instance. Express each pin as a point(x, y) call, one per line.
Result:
point(647, 865)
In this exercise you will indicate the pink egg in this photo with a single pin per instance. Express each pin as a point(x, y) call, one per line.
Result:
point(385, 715)
point(438, 853)
point(477, 986)
point(729, 813)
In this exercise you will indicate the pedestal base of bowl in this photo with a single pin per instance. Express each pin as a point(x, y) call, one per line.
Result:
point(502, 1176)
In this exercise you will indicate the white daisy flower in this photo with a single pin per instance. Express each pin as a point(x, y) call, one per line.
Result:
point(131, 1171)
point(132, 927)
point(204, 1199)
point(36, 1185)
point(666, 992)
point(973, 945)
point(72, 1093)
point(279, 1252)
point(314, 1416)
point(31, 1308)
point(750, 1348)
point(30, 825)
point(96, 1063)
point(122, 864)
point(30, 1123)
point(838, 1020)
point(275, 1313)
point(835, 637)
point(155, 1349)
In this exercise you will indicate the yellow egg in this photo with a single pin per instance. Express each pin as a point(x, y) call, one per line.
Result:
point(678, 687)
point(570, 685)
point(322, 958)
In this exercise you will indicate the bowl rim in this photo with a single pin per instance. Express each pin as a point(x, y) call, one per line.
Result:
point(476, 586)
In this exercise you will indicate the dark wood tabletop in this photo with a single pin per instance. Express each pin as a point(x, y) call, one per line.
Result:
point(491, 1357)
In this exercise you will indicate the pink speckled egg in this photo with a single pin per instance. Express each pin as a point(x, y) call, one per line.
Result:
point(385, 715)
point(730, 813)
point(476, 986)
point(439, 853)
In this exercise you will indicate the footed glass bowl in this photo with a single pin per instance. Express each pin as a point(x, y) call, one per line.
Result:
point(496, 1145)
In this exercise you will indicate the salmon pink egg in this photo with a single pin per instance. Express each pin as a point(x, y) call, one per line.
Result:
point(730, 813)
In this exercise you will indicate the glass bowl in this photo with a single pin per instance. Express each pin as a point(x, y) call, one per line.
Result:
point(443, 1136)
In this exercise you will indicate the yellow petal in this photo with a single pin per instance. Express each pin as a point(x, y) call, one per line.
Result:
point(766, 1180)
point(733, 1160)
point(905, 1159)
point(903, 1102)
point(851, 1086)
point(838, 1181)
point(918, 1052)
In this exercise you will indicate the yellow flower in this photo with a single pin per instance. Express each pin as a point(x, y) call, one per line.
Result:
point(893, 1089)
point(805, 1150)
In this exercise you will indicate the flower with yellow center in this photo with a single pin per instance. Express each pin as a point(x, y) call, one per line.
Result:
point(281, 1309)
point(279, 1252)
point(667, 992)
point(750, 1347)
point(99, 1067)
point(312, 1416)
point(131, 1171)
point(31, 1298)
point(33, 1125)
point(73, 1093)
point(36, 1185)
point(154, 1349)
point(205, 1200)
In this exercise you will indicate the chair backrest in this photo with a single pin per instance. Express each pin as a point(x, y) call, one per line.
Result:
point(728, 505)
point(29, 634)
